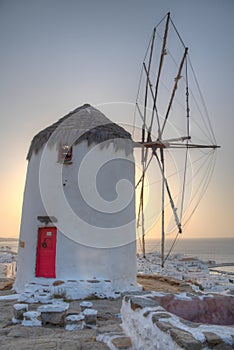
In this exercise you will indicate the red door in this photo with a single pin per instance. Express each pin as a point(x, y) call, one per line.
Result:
point(46, 252)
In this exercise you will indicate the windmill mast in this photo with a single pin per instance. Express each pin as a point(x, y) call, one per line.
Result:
point(163, 210)
point(144, 154)
point(163, 53)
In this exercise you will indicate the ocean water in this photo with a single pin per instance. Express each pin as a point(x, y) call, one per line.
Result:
point(9, 242)
point(219, 249)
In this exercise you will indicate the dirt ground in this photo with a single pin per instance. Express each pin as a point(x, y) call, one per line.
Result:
point(163, 284)
point(47, 338)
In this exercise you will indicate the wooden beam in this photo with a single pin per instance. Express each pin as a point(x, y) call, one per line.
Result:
point(160, 144)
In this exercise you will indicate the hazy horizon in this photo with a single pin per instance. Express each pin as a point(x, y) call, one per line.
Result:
point(147, 238)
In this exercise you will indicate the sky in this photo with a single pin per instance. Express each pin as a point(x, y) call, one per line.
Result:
point(57, 55)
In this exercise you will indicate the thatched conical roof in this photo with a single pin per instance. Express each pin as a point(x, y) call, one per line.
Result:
point(84, 123)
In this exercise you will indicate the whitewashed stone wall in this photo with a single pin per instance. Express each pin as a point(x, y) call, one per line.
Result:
point(151, 327)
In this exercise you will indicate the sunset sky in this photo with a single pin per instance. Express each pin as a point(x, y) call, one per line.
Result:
point(57, 55)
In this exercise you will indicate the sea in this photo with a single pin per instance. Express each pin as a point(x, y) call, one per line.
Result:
point(220, 250)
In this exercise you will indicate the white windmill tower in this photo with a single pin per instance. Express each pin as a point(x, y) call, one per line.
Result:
point(78, 217)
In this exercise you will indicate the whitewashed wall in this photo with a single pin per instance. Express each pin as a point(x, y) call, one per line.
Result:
point(94, 240)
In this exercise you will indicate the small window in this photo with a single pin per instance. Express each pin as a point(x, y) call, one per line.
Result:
point(65, 154)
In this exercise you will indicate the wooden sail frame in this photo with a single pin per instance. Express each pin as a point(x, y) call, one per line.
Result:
point(147, 144)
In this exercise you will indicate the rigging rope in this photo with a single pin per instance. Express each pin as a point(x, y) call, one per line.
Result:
point(202, 194)
point(181, 170)
point(139, 181)
point(139, 85)
point(177, 33)
point(135, 109)
point(172, 246)
point(204, 188)
point(203, 102)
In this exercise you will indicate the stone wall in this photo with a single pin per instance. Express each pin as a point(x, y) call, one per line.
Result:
point(150, 326)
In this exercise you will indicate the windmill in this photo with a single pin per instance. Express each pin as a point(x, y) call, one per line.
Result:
point(169, 125)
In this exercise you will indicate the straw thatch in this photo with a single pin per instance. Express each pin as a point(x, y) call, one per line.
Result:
point(84, 123)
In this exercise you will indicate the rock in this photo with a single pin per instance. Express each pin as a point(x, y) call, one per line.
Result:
point(28, 297)
point(74, 322)
point(212, 338)
point(163, 326)
point(122, 343)
point(72, 311)
point(15, 320)
point(53, 313)
point(32, 319)
point(57, 307)
point(19, 310)
point(159, 315)
point(44, 298)
point(141, 303)
point(58, 283)
point(90, 317)
point(86, 305)
point(185, 339)
point(54, 318)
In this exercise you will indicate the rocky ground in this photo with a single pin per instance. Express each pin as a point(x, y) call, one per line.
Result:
point(108, 321)
point(38, 338)
point(180, 275)
point(163, 284)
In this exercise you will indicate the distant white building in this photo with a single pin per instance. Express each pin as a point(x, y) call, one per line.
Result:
point(78, 216)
